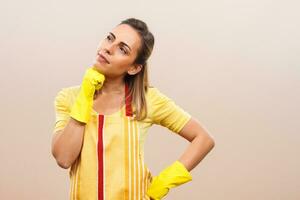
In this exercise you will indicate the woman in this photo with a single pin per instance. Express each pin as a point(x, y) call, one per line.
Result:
point(101, 125)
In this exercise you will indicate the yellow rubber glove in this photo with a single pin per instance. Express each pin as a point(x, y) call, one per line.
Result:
point(82, 107)
point(172, 176)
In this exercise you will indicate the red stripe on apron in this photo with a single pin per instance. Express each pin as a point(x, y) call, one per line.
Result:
point(128, 101)
point(100, 158)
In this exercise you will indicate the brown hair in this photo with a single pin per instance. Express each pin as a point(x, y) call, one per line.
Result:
point(138, 84)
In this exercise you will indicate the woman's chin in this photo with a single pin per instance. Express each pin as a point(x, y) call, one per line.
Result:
point(98, 66)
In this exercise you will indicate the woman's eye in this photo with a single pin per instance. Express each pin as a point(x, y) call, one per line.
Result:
point(123, 50)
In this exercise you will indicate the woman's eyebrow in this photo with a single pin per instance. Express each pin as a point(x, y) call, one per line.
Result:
point(120, 42)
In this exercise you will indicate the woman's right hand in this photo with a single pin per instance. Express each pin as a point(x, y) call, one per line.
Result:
point(95, 77)
point(93, 80)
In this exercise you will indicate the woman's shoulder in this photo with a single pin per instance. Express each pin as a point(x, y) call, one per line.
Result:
point(68, 92)
point(154, 94)
point(72, 88)
point(152, 90)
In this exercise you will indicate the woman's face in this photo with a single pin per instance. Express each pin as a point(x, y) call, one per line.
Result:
point(120, 48)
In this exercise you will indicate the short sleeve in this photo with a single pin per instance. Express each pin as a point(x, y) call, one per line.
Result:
point(62, 109)
point(165, 112)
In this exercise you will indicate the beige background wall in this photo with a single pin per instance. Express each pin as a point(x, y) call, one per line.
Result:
point(234, 65)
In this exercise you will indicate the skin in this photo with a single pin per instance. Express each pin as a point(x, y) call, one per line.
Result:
point(201, 143)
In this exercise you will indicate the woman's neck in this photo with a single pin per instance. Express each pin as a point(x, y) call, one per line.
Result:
point(112, 86)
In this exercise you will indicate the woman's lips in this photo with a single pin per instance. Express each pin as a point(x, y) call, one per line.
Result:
point(101, 58)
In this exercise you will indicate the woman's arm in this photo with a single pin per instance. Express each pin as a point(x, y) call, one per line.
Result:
point(201, 143)
point(178, 172)
point(67, 143)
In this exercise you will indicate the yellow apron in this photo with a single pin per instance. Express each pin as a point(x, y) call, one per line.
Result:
point(111, 163)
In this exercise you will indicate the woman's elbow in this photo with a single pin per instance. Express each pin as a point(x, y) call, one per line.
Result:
point(208, 141)
point(211, 142)
point(63, 164)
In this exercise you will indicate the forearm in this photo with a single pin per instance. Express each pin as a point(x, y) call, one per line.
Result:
point(68, 145)
point(196, 151)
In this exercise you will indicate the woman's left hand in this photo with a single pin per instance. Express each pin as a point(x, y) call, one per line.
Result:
point(172, 176)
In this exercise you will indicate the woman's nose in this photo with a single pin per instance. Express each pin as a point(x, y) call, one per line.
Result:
point(109, 48)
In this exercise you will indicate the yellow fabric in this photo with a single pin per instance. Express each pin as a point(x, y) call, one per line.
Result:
point(125, 175)
point(174, 175)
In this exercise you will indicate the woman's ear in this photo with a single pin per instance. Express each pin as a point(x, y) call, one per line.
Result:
point(135, 69)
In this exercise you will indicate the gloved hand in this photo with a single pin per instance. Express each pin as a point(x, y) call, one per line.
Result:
point(82, 107)
point(172, 176)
